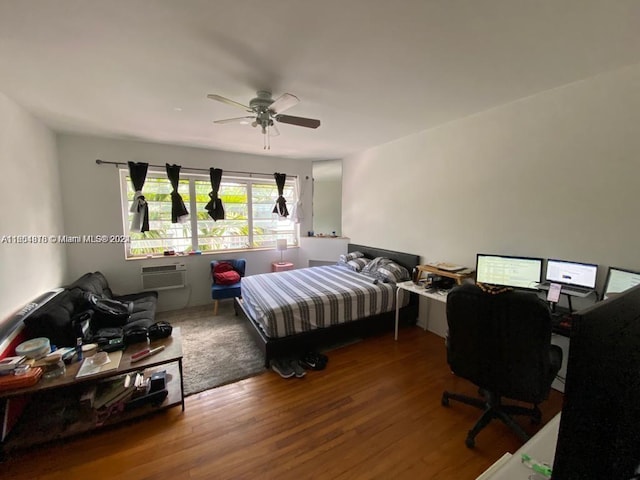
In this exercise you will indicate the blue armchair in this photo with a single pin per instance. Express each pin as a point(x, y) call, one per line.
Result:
point(219, 291)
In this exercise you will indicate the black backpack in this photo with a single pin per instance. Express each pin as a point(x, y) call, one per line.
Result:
point(108, 313)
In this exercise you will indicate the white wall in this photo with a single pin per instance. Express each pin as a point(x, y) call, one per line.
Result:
point(91, 202)
point(31, 205)
point(553, 175)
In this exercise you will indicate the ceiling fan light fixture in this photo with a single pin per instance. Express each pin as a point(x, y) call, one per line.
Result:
point(267, 111)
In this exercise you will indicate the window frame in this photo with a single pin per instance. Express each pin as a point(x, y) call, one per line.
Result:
point(292, 233)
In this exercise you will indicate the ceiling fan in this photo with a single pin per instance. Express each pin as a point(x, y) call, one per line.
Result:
point(264, 111)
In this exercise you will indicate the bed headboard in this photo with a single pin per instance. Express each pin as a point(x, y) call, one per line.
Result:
point(407, 260)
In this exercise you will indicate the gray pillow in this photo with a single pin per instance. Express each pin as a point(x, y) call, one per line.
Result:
point(357, 264)
point(350, 256)
point(392, 273)
point(386, 270)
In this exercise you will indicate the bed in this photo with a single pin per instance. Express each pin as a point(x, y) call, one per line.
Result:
point(300, 310)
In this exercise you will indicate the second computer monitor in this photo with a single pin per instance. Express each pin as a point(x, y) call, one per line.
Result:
point(572, 273)
point(508, 271)
point(619, 280)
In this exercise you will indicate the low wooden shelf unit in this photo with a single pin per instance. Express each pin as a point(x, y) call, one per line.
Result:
point(54, 410)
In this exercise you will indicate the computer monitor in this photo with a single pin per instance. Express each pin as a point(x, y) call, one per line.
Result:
point(571, 273)
point(619, 280)
point(599, 431)
point(508, 271)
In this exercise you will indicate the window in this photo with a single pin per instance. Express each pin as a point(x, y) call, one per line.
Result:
point(248, 204)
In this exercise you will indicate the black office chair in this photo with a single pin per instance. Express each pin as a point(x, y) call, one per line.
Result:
point(502, 344)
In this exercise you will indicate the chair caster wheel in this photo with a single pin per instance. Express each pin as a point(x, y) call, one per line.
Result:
point(470, 442)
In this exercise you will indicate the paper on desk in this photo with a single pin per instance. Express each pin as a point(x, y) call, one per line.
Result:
point(446, 266)
point(88, 368)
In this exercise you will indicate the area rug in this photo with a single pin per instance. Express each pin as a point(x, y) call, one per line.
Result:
point(217, 350)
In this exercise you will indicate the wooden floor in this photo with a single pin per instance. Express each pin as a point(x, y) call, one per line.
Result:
point(373, 413)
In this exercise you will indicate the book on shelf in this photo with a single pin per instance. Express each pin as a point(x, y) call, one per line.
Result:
point(8, 364)
point(88, 397)
point(113, 391)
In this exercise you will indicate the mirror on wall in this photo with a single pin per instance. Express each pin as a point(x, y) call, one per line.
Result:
point(327, 197)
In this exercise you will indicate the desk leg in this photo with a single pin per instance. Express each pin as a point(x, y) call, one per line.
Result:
point(397, 310)
point(426, 314)
point(182, 381)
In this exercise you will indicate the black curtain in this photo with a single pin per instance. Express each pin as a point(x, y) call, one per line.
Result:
point(139, 207)
point(214, 207)
point(281, 204)
point(178, 210)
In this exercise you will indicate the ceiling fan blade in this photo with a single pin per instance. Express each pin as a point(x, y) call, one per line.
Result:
point(283, 102)
point(246, 120)
point(300, 121)
point(228, 102)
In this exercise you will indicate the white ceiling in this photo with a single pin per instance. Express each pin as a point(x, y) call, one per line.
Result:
point(370, 70)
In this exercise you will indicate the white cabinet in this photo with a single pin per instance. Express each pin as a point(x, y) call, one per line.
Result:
point(321, 250)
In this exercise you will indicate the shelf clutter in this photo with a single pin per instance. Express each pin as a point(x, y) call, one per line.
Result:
point(10, 381)
point(125, 392)
point(113, 387)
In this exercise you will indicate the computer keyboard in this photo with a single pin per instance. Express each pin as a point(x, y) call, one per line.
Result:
point(577, 291)
point(573, 290)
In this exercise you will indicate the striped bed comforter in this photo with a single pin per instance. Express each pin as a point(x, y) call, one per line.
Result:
point(296, 301)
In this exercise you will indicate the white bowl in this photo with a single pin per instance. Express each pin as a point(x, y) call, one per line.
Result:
point(34, 348)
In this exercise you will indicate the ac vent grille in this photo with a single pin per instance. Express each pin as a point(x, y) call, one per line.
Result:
point(164, 268)
point(163, 277)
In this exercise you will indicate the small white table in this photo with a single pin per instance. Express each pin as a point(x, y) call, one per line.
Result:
point(409, 286)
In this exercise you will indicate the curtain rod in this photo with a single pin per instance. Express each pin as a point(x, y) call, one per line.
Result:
point(103, 162)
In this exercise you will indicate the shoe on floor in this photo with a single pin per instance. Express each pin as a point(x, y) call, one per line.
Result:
point(297, 368)
point(282, 368)
point(314, 361)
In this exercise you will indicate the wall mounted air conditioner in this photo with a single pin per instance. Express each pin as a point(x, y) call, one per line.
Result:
point(164, 277)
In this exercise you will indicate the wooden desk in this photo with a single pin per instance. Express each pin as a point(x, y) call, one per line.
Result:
point(460, 276)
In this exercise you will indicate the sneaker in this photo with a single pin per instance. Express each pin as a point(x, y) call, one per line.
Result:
point(314, 361)
point(308, 361)
point(297, 368)
point(282, 368)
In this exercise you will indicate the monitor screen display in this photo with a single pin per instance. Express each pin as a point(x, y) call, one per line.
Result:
point(599, 430)
point(572, 273)
point(508, 271)
point(619, 280)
